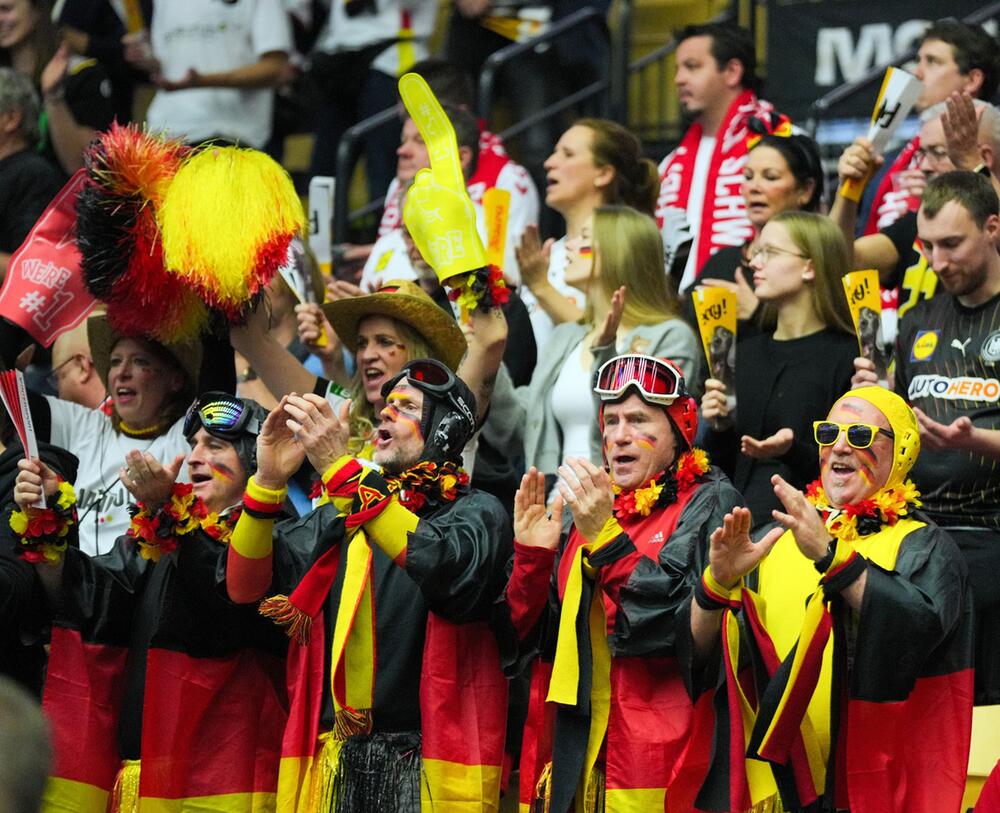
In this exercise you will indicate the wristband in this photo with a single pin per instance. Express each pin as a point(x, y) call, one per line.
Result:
point(711, 596)
point(823, 563)
point(846, 567)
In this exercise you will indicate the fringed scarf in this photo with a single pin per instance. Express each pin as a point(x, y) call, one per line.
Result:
point(361, 494)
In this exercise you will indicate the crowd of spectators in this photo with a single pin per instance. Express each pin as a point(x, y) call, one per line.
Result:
point(542, 400)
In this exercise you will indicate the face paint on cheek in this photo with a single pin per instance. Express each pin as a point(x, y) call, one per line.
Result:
point(403, 418)
point(220, 472)
point(869, 462)
point(647, 442)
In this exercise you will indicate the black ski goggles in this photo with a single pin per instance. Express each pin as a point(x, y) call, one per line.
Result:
point(222, 415)
point(433, 378)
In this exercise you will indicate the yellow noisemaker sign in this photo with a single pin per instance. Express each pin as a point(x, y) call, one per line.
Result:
point(864, 297)
point(496, 208)
point(715, 309)
point(896, 97)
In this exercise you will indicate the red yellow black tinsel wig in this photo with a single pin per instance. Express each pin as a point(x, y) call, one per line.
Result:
point(168, 234)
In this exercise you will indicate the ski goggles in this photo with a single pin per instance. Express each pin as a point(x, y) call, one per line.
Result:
point(658, 381)
point(432, 377)
point(859, 435)
point(222, 415)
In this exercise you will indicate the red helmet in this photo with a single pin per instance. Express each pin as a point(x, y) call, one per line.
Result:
point(657, 381)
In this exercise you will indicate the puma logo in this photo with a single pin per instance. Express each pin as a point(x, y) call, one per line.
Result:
point(961, 345)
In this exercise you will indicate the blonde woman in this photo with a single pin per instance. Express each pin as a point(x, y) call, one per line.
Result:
point(618, 264)
point(793, 372)
point(382, 331)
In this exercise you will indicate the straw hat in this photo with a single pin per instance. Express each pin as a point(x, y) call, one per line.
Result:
point(407, 302)
point(103, 338)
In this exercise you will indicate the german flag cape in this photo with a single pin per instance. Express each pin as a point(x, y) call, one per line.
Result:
point(152, 664)
point(893, 728)
point(629, 705)
point(454, 553)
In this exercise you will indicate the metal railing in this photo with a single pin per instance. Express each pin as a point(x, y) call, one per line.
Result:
point(498, 60)
point(822, 106)
point(348, 152)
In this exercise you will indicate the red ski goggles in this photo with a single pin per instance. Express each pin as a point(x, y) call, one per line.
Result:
point(657, 380)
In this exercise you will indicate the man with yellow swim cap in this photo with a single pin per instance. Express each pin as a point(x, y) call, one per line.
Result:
point(863, 602)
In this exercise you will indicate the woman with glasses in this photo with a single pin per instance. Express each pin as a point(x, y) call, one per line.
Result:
point(791, 372)
point(782, 174)
point(157, 685)
point(630, 309)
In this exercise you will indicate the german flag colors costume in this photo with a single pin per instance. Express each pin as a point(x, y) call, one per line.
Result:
point(875, 706)
point(392, 665)
point(612, 688)
point(152, 665)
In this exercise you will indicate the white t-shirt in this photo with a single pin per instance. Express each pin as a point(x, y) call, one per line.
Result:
point(212, 38)
point(409, 21)
point(696, 197)
point(541, 323)
point(573, 406)
point(102, 501)
point(388, 260)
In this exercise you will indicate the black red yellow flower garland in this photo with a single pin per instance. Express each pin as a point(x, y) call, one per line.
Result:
point(41, 532)
point(159, 533)
point(865, 517)
point(482, 288)
point(662, 489)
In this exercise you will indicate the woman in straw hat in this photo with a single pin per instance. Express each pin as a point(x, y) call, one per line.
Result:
point(149, 387)
point(383, 331)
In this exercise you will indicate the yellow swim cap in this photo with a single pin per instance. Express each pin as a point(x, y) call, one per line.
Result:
point(906, 444)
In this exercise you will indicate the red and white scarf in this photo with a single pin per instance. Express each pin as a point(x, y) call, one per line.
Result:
point(723, 214)
point(891, 201)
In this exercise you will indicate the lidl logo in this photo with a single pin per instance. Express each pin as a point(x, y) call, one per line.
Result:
point(924, 345)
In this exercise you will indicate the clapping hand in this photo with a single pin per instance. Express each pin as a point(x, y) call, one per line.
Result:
point(732, 553)
point(534, 524)
point(588, 493)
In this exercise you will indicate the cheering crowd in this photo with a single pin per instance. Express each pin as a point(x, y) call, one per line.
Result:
point(494, 517)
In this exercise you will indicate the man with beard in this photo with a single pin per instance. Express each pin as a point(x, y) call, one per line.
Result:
point(397, 698)
point(947, 353)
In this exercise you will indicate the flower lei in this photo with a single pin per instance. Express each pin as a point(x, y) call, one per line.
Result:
point(42, 532)
point(662, 489)
point(864, 517)
point(156, 533)
point(438, 482)
point(483, 288)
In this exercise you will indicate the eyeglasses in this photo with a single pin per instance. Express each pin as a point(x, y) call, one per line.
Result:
point(768, 252)
point(222, 415)
point(936, 153)
point(657, 381)
point(859, 435)
point(52, 379)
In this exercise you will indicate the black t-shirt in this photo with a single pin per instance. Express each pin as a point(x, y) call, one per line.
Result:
point(948, 365)
point(916, 280)
point(27, 185)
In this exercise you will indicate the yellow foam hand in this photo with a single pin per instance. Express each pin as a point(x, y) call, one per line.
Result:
point(438, 212)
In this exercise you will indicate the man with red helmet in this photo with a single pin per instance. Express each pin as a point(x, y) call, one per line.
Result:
point(615, 712)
